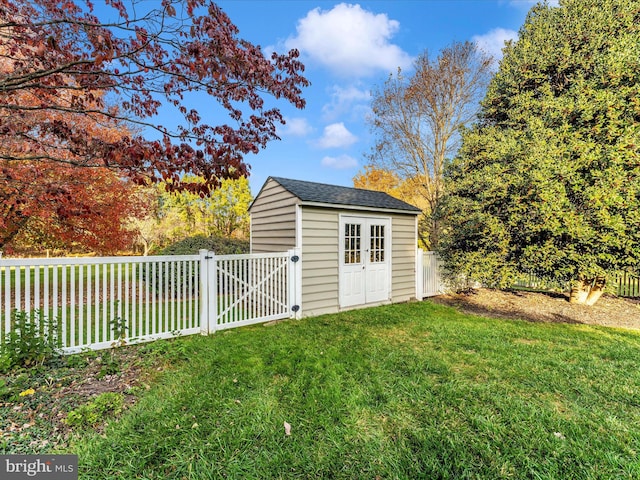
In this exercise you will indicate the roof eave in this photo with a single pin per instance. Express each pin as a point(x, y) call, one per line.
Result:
point(359, 207)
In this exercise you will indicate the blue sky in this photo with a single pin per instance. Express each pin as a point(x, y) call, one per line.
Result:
point(348, 49)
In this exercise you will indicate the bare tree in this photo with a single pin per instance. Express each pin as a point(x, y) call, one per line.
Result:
point(417, 119)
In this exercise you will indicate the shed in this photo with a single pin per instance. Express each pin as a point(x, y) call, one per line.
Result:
point(358, 247)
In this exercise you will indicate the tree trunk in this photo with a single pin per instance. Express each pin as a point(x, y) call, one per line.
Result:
point(580, 291)
point(145, 246)
point(587, 291)
point(596, 290)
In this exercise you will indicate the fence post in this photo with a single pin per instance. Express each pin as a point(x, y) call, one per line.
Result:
point(204, 293)
point(294, 279)
point(419, 274)
point(442, 285)
point(213, 292)
point(208, 292)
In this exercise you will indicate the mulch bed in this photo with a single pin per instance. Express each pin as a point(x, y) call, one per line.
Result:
point(609, 311)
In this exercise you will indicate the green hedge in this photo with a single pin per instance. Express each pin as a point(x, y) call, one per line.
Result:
point(192, 245)
point(219, 245)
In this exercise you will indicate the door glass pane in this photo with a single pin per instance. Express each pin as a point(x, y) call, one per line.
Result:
point(352, 244)
point(376, 245)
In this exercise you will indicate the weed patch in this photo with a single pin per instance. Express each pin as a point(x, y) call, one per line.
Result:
point(31, 341)
point(97, 411)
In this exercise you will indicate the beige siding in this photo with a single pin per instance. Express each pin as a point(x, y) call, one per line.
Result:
point(403, 258)
point(273, 220)
point(319, 261)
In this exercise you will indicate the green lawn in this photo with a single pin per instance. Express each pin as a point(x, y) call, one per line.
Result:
point(404, 391)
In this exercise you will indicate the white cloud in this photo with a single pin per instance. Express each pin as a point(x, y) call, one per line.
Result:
point(493, 41)
point(349, 40)
point(336, 135)
point(349, 94)
point(340, 163)
point(296, 127)
point(346, 99)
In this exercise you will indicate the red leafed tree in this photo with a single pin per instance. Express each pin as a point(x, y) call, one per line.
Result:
point(58, 204)
point(141, 59)
point(85, 209)
point(62, 62)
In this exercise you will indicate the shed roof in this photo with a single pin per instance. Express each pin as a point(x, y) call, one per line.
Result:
point(313, 192)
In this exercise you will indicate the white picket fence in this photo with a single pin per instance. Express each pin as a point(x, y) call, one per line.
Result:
point(429, 281)
point(97, 303)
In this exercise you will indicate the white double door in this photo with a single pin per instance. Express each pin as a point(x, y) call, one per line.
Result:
point(365, 259)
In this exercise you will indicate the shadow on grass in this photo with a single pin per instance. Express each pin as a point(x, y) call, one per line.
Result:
point(510, 304)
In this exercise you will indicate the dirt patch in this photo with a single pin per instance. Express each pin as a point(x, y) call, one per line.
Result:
point(609, 311)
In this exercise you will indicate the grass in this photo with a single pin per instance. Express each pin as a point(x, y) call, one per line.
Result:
point(403, 391)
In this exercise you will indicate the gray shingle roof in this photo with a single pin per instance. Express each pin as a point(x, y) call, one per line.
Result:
point(336, 195)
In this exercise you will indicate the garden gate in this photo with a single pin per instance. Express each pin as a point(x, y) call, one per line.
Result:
point(240, 290)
